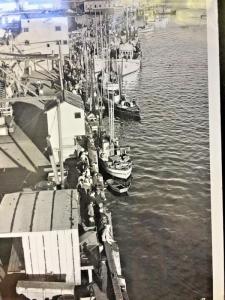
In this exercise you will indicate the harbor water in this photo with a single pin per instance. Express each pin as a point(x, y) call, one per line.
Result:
point(163, 226)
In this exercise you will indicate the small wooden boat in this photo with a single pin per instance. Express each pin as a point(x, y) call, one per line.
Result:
point(118, 186)
point(146, 29)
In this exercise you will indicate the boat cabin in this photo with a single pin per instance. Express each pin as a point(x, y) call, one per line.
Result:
point(126, 51)
point(127, 103)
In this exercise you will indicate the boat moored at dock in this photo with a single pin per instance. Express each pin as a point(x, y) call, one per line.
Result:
point(118, 187)
point(114, 160)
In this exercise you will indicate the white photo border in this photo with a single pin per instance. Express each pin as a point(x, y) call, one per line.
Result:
point(215, 150)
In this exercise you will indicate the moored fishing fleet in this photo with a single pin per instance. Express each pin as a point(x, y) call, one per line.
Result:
point(72, 72)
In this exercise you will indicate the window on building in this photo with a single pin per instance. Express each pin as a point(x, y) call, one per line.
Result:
point(65, 42)
point(77, 115)
point(57, 42)
point(27, 42)
point(57, 28)
point(48, 45)
point(26, 29)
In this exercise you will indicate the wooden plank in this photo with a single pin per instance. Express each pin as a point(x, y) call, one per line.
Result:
point(76, 255)
point(22, 219)
point(36, 262)
point(113, 272)
point(70, 275)
point(51, 252)
point(7, 209)
point(62, 210)
point(42, 216)
point(27, 254)
point(64, 262)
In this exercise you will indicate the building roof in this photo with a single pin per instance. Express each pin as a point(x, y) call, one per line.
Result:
point(18, 151)
point(34, 211)
point(69, 97)
point(43, 14)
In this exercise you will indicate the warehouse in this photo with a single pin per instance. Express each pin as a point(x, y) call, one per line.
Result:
point(40, 231)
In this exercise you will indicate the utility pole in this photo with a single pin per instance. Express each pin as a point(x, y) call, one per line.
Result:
point(59, 117)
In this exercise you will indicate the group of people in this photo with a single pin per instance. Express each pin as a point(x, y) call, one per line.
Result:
point(95, 215)
point(73, 77)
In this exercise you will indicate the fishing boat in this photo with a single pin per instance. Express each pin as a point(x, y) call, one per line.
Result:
point(116, 166)
point(146, 29)
point(128, 61)
point(123, 107)
point(118, 186)
point(127, 109)
point(123, 52)
point(114, 160)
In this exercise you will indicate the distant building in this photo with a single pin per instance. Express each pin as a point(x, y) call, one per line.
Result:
point(6, 5)
point(101, 6)
point(12, 5)
point(40, 4)
point(73, 124)
point(42, 33)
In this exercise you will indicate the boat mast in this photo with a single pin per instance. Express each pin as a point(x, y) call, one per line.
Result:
point(59, 117)
point(127, 25)
point(111, 115)
point(96, 35)
point(102, 46)
point(120, 81)
point(92, 82)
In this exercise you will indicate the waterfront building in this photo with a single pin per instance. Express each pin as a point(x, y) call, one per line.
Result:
point(72, 110)
point(42, 34)
point(101, 6)
point(6, 5)
point(43, 242)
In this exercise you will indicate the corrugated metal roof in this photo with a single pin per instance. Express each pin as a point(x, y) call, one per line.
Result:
point(39, 211)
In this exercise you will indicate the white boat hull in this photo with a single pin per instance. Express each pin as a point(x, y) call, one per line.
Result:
point(117, 173)
point(146, 30)
point(121, 174)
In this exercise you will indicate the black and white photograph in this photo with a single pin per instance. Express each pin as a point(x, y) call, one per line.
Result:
point(110, 150)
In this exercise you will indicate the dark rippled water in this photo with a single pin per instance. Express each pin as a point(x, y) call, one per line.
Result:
point(163, 227)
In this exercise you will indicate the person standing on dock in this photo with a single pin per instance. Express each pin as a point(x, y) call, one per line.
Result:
point(103, 275)
point(107, 235)
point(100, 196)
point(91, 212)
